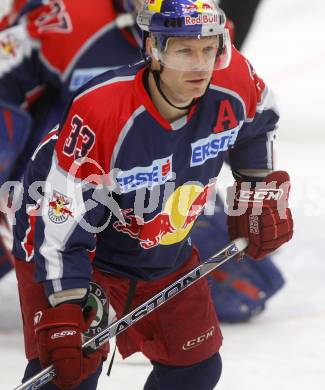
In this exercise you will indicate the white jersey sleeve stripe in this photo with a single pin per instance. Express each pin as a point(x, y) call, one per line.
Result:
point(58, 228)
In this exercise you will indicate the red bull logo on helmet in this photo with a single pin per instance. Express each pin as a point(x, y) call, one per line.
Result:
point(197, 6)
point(201, 19)
point(202, 9)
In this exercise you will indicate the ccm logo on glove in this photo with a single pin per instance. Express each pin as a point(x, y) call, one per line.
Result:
point(259, 211)
point(260, 195)
point(63, 334)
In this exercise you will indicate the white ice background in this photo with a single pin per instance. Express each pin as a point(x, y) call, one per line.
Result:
point(283, 348)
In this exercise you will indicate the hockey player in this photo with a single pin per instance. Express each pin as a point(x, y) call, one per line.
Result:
point(49, 51)
point(232, 301)
point(32, 66)
point(131, 135)
point(240, 290)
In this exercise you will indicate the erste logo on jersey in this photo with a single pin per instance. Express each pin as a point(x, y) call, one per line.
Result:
point(59, 208)
point(159, 172)
point(211, 146)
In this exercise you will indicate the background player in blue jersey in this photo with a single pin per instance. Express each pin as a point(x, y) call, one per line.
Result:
point(48, 50)
point(169, 121)
point(40, 78)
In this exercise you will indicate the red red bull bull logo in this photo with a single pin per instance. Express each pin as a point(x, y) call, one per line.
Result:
point(149, 233)
point(201, 19)
point(171, 225)
point(59, 208)
point(197, 6)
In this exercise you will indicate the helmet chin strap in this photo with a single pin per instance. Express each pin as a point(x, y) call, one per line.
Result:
point(156, 75)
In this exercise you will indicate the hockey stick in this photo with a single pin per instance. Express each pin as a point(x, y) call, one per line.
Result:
point(117, 327)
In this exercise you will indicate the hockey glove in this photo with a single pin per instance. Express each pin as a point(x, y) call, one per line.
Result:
point(59, 337)
point(259, 211)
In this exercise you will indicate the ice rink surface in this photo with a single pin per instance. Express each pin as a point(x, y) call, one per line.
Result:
point(283, 348)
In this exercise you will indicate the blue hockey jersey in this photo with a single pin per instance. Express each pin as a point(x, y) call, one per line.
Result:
point(52, 50)
point(124, 180)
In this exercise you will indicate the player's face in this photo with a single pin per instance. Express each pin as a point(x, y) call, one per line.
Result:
point(188, 66)
point(190, 54)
